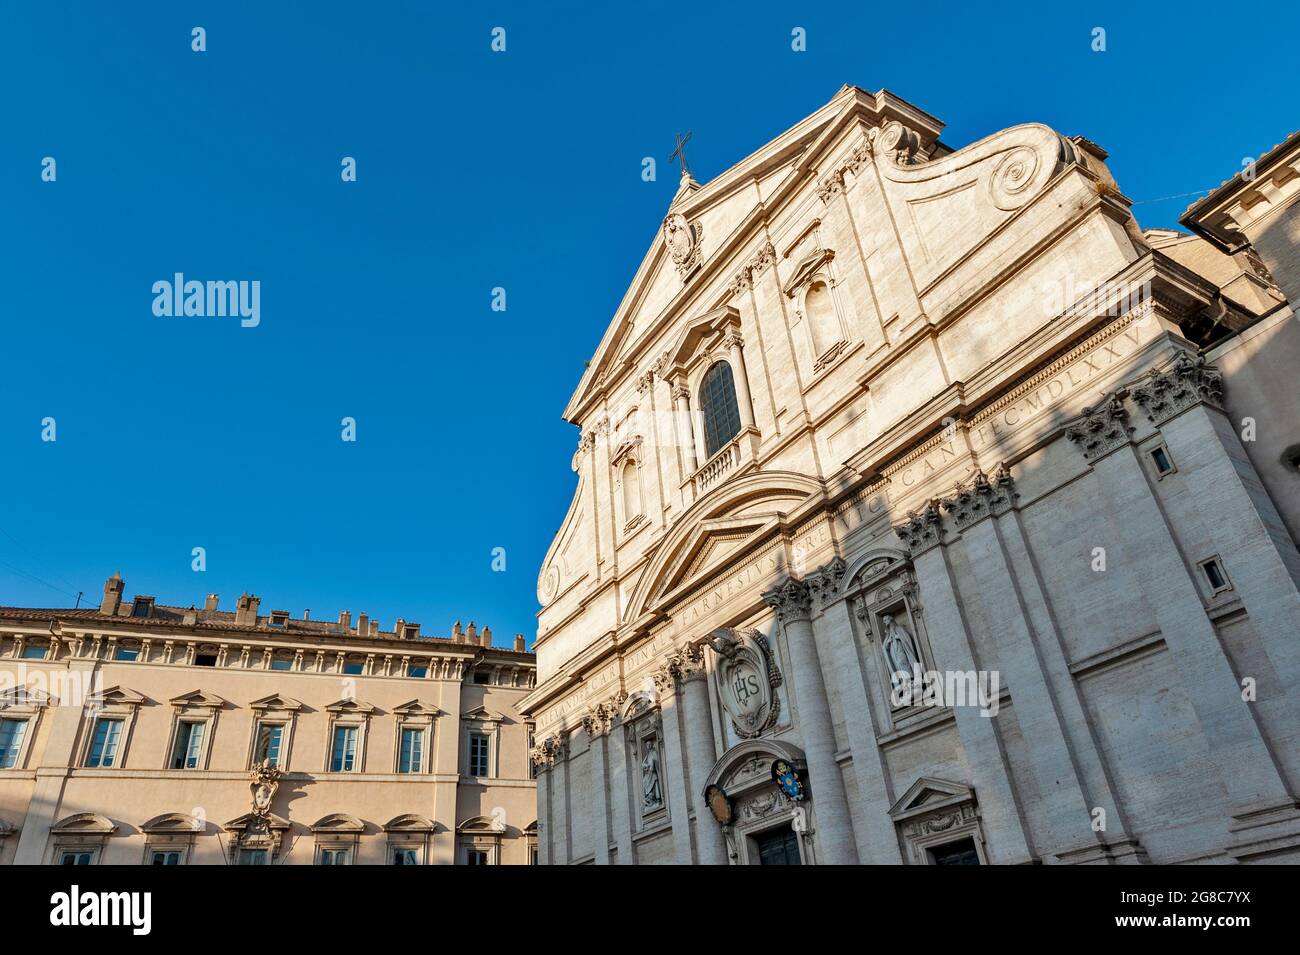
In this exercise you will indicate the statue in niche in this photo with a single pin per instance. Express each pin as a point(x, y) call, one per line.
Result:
point(652, 791)
point(900, 652)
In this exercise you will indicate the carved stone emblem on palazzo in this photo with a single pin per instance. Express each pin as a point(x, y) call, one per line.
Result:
point(747, 680)
point(264, 785)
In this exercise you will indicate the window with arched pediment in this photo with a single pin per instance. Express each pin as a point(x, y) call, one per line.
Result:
point(718, 407)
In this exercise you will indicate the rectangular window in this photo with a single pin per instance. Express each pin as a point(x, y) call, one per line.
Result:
point(479, 745)
point(205, 659)
point(252, 857)
point(103, 744)
point(11, 741)
point(476, 857)
point(417, 671)
point(125, 654)
point(1160, 458)
point(269, 738)
point(411, 759)
point(77, 857)
point(281, 663)
point(1215, 575)
point(189, 745)
point(353, 667)
point(344, 754)
point(482, 679)
point(334, 857)
point(34, 651)
point(406, 856)
point(165, 857)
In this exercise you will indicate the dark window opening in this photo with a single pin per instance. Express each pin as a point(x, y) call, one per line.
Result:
point(718, 408)
point(962, 852)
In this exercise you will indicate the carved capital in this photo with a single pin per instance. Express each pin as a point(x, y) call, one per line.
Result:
point(983, 497)
point(1188, 381)
point(1101, 429)
point(923, 530)
point(824, 582)
point(792, 599)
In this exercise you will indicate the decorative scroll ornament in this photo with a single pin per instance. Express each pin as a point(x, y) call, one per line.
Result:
point(747, 680)
point(897, 142)
point(1188, 381)
point(264, 785)
point(1101, 429)
point(682, 239)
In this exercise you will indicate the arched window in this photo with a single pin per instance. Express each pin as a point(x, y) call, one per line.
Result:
point(631, 490)
point(822, 323)
point(718, 408)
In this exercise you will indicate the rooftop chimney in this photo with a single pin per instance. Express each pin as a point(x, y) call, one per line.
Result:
point(112, 594)
point(363, 625)
point(456, 635)
point(520, 646)
point(306, 614)
point(191, 617)
point(210, 604)
point(374, 628)
point(399, 628)
point(487, 636)
point(471, 635)
point(246, 611)
point(345, 620)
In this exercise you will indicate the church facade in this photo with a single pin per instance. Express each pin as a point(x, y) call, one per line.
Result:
point(930, 511)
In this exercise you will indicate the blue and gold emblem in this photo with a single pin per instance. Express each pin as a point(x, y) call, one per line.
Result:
point(787, 777)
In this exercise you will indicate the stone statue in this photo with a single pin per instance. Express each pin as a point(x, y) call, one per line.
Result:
point(652, 792)
point(900, 651)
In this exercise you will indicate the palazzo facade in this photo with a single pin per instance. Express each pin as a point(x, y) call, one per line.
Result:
point(930, 511)
point(136, 733)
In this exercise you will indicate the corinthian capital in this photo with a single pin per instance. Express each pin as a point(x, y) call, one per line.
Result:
point(1101, 429)
point(791, 598)
point(824, 582)
point(922, 530)
point(1189, 380)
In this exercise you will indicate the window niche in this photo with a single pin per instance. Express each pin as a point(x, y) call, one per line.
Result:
point(625, 464)
point(818, 309)
point(897, 647)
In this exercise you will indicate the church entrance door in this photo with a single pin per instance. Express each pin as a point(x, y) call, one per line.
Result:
point(779, 846)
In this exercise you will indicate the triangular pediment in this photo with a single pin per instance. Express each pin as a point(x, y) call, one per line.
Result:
point(928, 794)
point(417, 708)
point(198, 698)
point(22, 696)
point(481, 712)
point(782, 161)
point(351, 706)
point(708, 545)
point(118, 696)
point(276, 701)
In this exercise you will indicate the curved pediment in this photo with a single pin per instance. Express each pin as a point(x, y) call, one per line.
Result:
point(171, 823)
point(338, 822)
point(85, 822)
point(737, 517)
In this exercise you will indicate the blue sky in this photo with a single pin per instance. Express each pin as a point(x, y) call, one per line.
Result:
point(474, 170)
